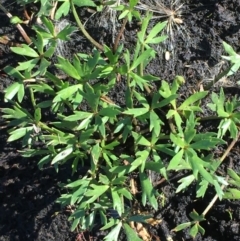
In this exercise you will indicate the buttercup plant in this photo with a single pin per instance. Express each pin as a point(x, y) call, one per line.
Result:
point(89, 128)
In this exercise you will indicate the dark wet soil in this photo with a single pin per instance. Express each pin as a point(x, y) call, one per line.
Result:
point(27, 195)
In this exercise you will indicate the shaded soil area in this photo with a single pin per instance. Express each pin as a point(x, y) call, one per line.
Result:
point(27, 195)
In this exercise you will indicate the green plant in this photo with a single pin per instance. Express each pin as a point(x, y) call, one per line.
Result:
point(228, 111)
point(234, 180)
point(172, 13)
point(234, 60)
point(88, 128)
point(83, 137)
point(233, 57)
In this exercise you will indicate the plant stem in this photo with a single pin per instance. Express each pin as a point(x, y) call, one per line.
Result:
point(229, 148)
point(211, 203)
point(120, 34)
point(32, 98)
point(21, 30)
point(80, 25)
point(45, 127)
point(223, 186)
point(141, 74)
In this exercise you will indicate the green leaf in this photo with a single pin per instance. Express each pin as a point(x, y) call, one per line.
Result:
point(164, 102)
point(182, 226)
point(123, 14)
point(62, 155)
point(201, 229)
point(77, 216)
point(78, 195)
point(44, 161)
point(197, 164)
point(111, 223)
point(124, 192)
point(18, 133)
point(189, 134)
point(113, 235)
point(203, 188)
point(138, 80)
point(232, 194)
point(186, 181)
point(78, 115)
point(109, 111)
point(218, 188)
point(95, 192)
point(233, 175)
point(228, 48)
point(131, 234)
point(111, 145)
point(178, 121)
point(194, 230)
point(148, 191)
point(175, 161)
point(155, 30)
point(154, 166)
point(48, 23)
point(142, 58)
point(141, 99)
point(136, 111)
point(233, 130)
point(157, 40)
point(140, 140)
point(234, 68)
point(117, 201)
point(64, 34)
point(223, 127)
point(14, 73)
point(100, 125)
point(92, 62)
point(91, 96)
point(196, 217)
point(11, 91)
point(63, 10)
point(133, 3)
point(84, 3)
point(84, 124)
point(67, 93)
point(192, 99)
point(15, 20)
point(155, 123)
point(140, 160)
point(37, 114)
point(77, 183)
point(177, 140)
point(206, 144)
point(43, 66)
point(25, 50)
point(95, 153)
point(27, 65)
point(50, 51)
point(39, 43)
point(68, 68)
point(21, 93)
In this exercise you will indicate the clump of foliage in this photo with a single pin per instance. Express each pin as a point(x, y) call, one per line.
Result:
point(89, 130)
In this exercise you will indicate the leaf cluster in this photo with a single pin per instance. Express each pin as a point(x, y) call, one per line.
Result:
point(89, 129)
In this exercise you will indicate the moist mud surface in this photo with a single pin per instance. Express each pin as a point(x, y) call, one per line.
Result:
point(27, 195)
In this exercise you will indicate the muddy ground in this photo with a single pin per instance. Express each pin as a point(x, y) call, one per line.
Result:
point(27, 195)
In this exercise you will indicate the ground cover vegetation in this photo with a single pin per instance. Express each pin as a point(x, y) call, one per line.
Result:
point(116, 147)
